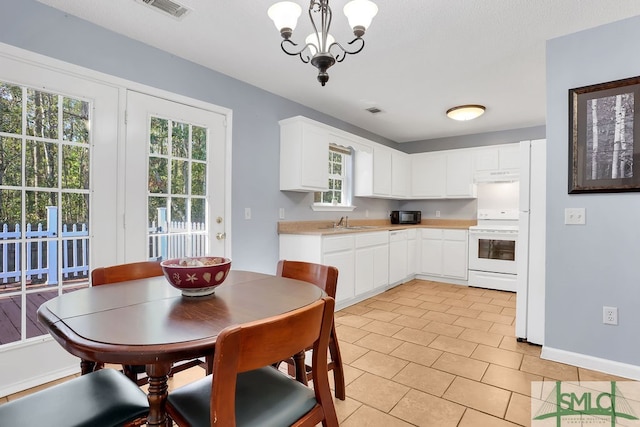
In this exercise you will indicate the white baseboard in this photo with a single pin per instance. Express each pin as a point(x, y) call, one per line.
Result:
point(38, 380)
point(589, 362)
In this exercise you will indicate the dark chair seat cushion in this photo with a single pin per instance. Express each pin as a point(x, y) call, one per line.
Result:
point(264, 398)
point(101, 398)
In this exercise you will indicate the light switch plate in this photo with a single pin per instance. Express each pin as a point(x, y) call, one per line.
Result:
point(247, 213)
point(574, 216)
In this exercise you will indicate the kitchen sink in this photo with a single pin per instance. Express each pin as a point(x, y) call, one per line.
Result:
point(360, 227)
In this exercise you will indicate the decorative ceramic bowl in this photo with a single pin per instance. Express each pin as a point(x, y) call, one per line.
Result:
point(196, 276)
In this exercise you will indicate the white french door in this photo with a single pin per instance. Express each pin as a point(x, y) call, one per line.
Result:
point(175, 175)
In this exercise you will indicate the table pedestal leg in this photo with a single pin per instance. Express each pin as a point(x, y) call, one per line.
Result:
point(86, 366)
point(157, 395)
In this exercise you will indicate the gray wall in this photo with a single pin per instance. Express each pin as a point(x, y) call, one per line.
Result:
point(33, 26)
point(596, 264)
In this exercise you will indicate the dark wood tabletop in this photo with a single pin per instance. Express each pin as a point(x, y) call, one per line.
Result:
point(148, 322)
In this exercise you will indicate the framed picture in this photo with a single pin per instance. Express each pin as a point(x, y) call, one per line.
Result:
point(604, 135)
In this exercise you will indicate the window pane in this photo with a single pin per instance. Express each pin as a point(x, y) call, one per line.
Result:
point(10, 161)
point(198, 179)
point(198, 212)
point(180, 140)
point(199, 143)
point(178, 209)
point(75, 209)
point(158, 182)
point(75, 167)
point(10, 108)
point(34, 301)
point(159, 136)
point(41, 168)
point(36, 211)
point(42, 114)
point(179, 176)
point(10, 309)
point(10, 208)
point(75, 120)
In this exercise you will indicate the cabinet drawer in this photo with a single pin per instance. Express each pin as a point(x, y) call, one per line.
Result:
point(398, 236)
point(334, 244)
point(412, 233)
point(372, 239)
point(432, 233)
point(454, 234)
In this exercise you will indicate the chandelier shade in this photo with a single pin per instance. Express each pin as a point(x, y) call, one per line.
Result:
point(465, 112)
point(320, 46)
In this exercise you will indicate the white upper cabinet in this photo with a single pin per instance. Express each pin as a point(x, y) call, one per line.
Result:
point(428, 175)
point(381, 171)
point(459, 174)
point(304, 151)
point(400, 174)
point(496, 160)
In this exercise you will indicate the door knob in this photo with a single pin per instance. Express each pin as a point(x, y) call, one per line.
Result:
point(221, 236)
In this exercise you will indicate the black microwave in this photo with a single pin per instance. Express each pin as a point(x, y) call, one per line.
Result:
point(406, 217)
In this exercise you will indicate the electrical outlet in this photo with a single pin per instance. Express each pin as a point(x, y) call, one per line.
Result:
point(247, 213)
point(281, 213)
point(437, 214)
point(610, 315)
point(574, 216)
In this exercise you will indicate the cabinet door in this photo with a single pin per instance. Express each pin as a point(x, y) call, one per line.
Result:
point(428, 175)
point(509, 156)
point(381, 171)
point(431, 258)
point(455, 254)
point(459, 174)
point(486, 159)
point(398, 260)
point(400, 174)
point(380, 266)
point(304, 156)
point(364, 270)
point(344, 262)
point(412, 257)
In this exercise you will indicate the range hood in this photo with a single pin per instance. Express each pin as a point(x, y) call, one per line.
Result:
point(496, 176)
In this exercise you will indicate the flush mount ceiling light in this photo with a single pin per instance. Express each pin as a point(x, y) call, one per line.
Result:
point(319, 44)
point(465, 112)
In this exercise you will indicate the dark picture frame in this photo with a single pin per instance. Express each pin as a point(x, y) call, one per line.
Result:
point(610, 161)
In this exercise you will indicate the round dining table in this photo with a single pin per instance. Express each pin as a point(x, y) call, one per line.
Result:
point(148, 322)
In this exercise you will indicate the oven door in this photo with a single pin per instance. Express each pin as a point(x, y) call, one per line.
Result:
point(493, 250)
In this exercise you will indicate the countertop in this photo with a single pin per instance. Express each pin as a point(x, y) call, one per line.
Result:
point(366, 225)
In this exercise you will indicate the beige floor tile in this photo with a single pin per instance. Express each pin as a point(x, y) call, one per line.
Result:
point(440, 317)
point(549, 369)
point(349, 334)
point(380, 364)
point(477, 298)
point(434, 306)
point(350, 352)
point(589, 375)
point(410, 311)
point(415, 336)
point(345, 408)
point(498, 356)
point(429, 380)
point(431, 298)
point(385, 306)
point(453, 345)
point(488, 308)
point(509, 343)
point(406, 293)
point(503, 302)
point(369, 417)
point(352, 320)
point(411, 321)
point(519, 410)
point(501, 295)
point(450, 294)
point(508, 330)
point(464, 312)
point(510, 379)
point(423, 409)
point(456, 302)
point(350, 374)
point(472, 418)
point(473, 323)
point(356, 309)
point(508, 311)
point(410, 302)
point(380, 343)
point(417, 353)
point(459, 365)
point(443, 329)
point(381, 315)
point(376, 392)
point(383, 328)
point(483, 397)
point(3, 400)
point(481, 337)
point(497, 318)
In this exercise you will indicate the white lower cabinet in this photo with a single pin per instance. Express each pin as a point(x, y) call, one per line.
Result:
point(372, 261)
point(443, 253)
point(398, 256)
point(412, 252)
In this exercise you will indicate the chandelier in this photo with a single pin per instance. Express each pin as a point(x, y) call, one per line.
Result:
point(319, 44)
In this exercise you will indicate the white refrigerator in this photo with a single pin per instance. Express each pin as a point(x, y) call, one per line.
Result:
point(531, 242)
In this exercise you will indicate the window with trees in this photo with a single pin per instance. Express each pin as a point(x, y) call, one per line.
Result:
point(339, 193)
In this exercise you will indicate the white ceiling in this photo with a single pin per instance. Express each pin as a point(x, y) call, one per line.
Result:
point(421, 56)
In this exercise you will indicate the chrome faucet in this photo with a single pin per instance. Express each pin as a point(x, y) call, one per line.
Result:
point(339, 223)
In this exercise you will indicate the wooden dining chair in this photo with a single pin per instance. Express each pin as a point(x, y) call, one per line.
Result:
point(244, 390)
point(133, 271)
point(102, 398)
point(326, 278)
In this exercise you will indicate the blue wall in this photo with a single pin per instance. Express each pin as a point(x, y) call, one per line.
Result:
point(595, 264)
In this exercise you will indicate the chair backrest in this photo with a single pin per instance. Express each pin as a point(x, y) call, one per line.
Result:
point(261, 343)
point(323, 276)
point(122, 272)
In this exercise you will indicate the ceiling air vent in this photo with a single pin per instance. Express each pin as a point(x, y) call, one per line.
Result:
point(374, 110)
point(167, 6)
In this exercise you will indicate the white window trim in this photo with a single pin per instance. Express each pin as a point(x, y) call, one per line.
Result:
point(347, 193)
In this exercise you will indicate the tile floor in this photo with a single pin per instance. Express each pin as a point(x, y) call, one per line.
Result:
point(433, 354)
